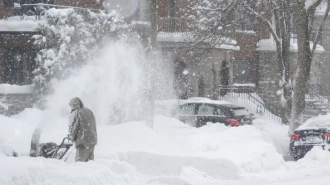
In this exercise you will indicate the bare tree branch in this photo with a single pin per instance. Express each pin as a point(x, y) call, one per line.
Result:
point(265, 21)
point(318, 33)
point(311, 9)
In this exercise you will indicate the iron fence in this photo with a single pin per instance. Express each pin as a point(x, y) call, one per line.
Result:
point(316, 92)
point(248, 95)
point(172, 25)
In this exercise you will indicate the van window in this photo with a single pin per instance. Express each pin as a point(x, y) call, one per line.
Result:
point(205, 110)
point(240, 112)
point(187, 109)
point(219, 111)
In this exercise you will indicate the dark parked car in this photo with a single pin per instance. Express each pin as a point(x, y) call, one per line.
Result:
point(314, 132)
point(199, 113)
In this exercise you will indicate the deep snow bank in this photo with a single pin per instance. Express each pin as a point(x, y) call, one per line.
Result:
point(171, 153)
point(132, 153)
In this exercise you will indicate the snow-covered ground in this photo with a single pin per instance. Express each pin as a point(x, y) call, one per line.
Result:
point(172, 153)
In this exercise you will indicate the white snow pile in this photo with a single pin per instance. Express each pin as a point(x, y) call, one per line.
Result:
point(322, 121)
point(131, 153)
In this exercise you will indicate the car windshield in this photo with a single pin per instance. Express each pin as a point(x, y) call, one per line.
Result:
point(240, 112)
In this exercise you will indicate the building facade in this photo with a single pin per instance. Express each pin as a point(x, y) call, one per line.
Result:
point(248, 59)
point(225, 64)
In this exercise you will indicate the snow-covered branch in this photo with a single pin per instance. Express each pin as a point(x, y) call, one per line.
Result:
point(261, 18)
point(70, 38)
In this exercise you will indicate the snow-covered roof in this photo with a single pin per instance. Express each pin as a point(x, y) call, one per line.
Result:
point(16, 23)
point(270, 45)
point(15, 89)
point(246, 32)
point(244, 85)
point(316, 123)
point(190, 100)
point(185, 37)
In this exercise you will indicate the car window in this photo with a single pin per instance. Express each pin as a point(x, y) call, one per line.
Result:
point(219, 111)
point(187, 109)
point(205, 110)
point(240, 112)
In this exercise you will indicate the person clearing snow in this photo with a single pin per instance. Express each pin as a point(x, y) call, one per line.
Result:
point(82, 130)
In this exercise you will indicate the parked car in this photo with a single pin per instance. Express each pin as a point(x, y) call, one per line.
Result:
point(198, 113)
point(314, 132)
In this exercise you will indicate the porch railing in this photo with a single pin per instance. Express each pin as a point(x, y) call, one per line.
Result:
point(322, 96)
point(172, 25)
point(249, 96)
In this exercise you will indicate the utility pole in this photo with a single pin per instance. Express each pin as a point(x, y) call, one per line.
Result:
point(152, 47)
point(153, 21)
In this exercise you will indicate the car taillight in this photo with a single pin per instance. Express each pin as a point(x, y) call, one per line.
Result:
point(326, 135)
point(295, 136)
point(233, 122)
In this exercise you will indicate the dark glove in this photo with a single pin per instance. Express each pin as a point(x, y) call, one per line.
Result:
point(81, 146)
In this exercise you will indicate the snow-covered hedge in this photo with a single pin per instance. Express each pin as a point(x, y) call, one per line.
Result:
point(70, 37)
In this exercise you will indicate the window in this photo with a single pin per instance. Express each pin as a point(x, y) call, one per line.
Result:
point(219, 111)
point(206, 110)
point(243, 71)
point(187, 110)
point(243, 20)
point(181, 79)
point(10, 3)
point(19, 63)
point(28, 9)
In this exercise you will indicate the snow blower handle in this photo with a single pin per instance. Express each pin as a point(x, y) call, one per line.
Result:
point(63, 148)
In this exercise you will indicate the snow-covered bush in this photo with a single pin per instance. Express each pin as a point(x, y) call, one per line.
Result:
point(69, 38)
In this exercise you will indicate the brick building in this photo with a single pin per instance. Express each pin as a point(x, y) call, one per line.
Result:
point(230, 63)
point(250, 62)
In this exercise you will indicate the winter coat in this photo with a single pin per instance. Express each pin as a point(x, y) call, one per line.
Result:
point(82, 126)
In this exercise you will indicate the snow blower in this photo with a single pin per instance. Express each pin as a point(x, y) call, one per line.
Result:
point(49, 150)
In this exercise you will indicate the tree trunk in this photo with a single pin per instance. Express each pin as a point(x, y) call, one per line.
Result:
point(153, 21)
point(303, 65)
point(287, 86)
point(282, 18)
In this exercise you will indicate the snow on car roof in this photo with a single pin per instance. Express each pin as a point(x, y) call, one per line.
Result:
point(317, 122)
point(204, 100)
point(194, 100)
